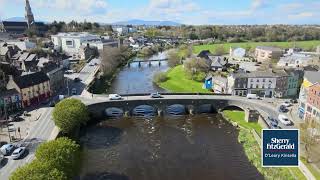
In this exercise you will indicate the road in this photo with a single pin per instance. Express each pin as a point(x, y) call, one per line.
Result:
point(44, 129)
point(40, 132)
point(86, 75)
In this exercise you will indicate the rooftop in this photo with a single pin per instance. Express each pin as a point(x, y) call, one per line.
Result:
point(31, 79)
point(312, 76)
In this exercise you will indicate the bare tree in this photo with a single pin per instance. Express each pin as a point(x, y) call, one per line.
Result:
point(110, 60)
point(194, 66)
point(173, 58)
point(310, 133)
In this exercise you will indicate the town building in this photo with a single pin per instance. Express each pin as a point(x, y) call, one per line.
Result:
point(88, 52)
point(313, 103)
point(20, 27)
point(237, 52)
point(10, 102)
point(267, 53)
point(70, 43)
point(274, 83)
point(33, 88)
point(220, 85)
point(310, 78)
point(218, 63)
point(294, 60)
point(238, 84)
point(22, 45)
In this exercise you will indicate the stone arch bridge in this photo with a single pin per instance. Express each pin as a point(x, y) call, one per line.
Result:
point(100, 106)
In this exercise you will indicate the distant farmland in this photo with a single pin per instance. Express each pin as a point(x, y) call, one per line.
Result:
point(306, 45)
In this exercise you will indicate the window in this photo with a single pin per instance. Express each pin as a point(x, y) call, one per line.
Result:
point(251, 80)
point(264, 80)
point(258, 80)
point(69, 43)
point(257, 86)
point(251, 86)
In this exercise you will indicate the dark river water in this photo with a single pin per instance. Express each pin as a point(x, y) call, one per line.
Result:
point(138, 79)
point(200, 147)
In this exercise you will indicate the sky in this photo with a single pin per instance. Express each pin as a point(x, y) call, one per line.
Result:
point(196, 12)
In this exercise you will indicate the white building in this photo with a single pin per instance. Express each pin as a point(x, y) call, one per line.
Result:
point(121, 30)
point(70, 43)
point(262, 83)
point(296, 60)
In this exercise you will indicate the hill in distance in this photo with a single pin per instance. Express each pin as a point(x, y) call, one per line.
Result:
point(137, 22)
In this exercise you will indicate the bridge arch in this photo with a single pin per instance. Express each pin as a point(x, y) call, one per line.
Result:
point(176, 109)
point(144, 110)
point(114, 112)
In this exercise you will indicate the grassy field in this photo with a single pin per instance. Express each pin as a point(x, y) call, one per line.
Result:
point(307, 45)
point(238, 117)
point(178, 82)
point(253, 151)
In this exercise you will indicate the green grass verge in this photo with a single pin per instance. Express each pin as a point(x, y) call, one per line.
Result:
point(314, 172)
point(307, 45)
point(178, 82)
point(253, 151)
point(238, 117)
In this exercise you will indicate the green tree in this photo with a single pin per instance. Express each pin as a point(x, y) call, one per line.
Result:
point(62, 154)
point(160, 77)
point(69, 114)
point(37, 170)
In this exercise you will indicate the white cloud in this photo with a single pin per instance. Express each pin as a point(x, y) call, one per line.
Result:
point(79, 6)
point(301, 15)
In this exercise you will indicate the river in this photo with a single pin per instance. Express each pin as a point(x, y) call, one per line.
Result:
point(138, 79)
point(200, 147)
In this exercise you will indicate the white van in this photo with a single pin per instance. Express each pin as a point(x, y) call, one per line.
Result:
point(252, 96)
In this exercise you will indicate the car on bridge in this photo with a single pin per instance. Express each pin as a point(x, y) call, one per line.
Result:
point(155, 95)
point(115, 97)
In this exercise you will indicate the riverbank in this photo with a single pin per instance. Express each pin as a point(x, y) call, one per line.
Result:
point(253, 151)
point(101, 84)
point(177, 81)
point(306, 45)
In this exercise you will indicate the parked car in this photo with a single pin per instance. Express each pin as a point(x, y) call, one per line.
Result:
point(273, 126)
point(272, 120)
point(294, 101)
point(7, 149)
point(74, 91)
point(283, 109)
point(115, 97)
point(252, 96)
point(287, 104)
point(284, 120)
point(17, 153)
point(77, 79)
point(155, 95)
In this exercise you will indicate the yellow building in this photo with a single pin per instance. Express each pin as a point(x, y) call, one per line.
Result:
point(33, 88)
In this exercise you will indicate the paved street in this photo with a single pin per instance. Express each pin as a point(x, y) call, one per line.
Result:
point(43, 128)
point(40, 132)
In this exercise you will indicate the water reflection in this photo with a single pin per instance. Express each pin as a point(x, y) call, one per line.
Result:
point(184, 147)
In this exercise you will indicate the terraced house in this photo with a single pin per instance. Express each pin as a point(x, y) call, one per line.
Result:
point(313, 103)
point(279, 84)
point(33, 88)
point(306, 105)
